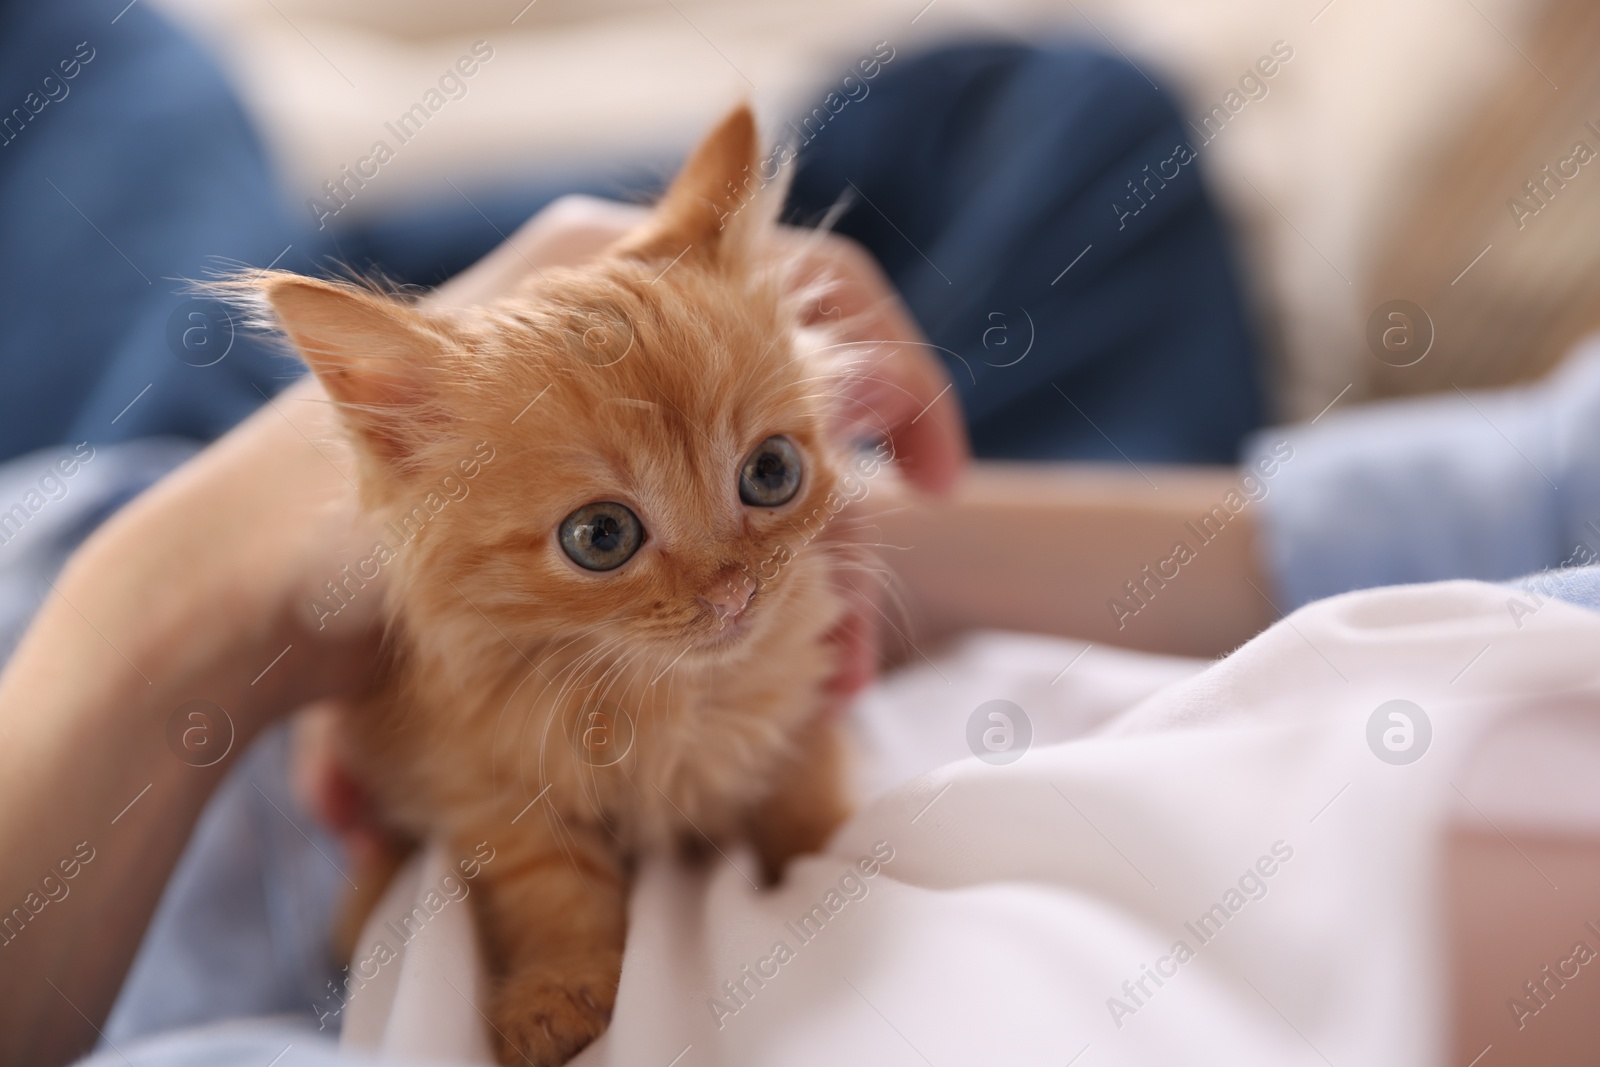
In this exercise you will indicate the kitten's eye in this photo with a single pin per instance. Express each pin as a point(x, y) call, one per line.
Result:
point(601, 536)
point(771, 474)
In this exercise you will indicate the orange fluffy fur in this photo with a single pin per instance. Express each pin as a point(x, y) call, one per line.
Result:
point(652, 389)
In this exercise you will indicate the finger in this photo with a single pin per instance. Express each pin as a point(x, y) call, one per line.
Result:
point(324, 785)
point(856, 640)
point(569, 231)
point(901, 390)
point(904, 395)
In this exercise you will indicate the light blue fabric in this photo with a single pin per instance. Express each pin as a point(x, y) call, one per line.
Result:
point(50, 500)
point(267, 1042)
point(245, 926)
point(1462, 485)
point(1575, 585)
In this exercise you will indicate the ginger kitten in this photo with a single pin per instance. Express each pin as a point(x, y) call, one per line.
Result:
point(608, 617)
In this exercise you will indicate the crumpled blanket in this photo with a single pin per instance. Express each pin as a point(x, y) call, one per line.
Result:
point(1245, 860)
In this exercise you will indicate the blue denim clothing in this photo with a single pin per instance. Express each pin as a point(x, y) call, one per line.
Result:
point(258, 1042)
point(136, 171)
point(245, 927)
point(1000, 162)
point(51, 500)
point(1028, 205)
point(1461, 485)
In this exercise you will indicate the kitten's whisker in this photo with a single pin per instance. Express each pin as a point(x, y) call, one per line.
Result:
point(585, 631)
point(869, 375)
point(839, 396)
point(778, 365)
point(894, 593)
point(674, 662)
point(575, 672)
point(557, 703)
point(564, 835)
point(856, 567)
point(609, 681)
point(915, 344)
point(588, 652)
point(602, 655)
point(871, 520)
point(885, 544)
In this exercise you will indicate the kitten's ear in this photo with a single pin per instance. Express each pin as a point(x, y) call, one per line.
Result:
point(707, 211)
point(375, 357)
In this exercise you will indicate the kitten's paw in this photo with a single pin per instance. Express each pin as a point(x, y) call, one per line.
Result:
point(546, 1013)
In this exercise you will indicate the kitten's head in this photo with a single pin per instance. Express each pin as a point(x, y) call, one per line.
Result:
point(637, 449)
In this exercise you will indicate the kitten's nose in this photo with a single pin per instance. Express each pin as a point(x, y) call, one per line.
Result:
point(728, 596)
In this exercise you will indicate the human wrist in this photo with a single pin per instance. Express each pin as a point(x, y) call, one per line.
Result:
point(184, 589)
point(155, 637)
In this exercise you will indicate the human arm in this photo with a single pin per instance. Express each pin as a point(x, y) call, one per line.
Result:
point(1048, 548)
point(188, 594)
point(1485, 485)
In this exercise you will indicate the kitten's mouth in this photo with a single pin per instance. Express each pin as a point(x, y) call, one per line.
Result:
point(726, 631)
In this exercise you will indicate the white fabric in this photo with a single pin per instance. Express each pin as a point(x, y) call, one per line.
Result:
point(1021, 898)
point(403, 1012)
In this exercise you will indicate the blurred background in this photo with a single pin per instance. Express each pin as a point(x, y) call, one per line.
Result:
point(1377, 166)
point(1393, 196)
